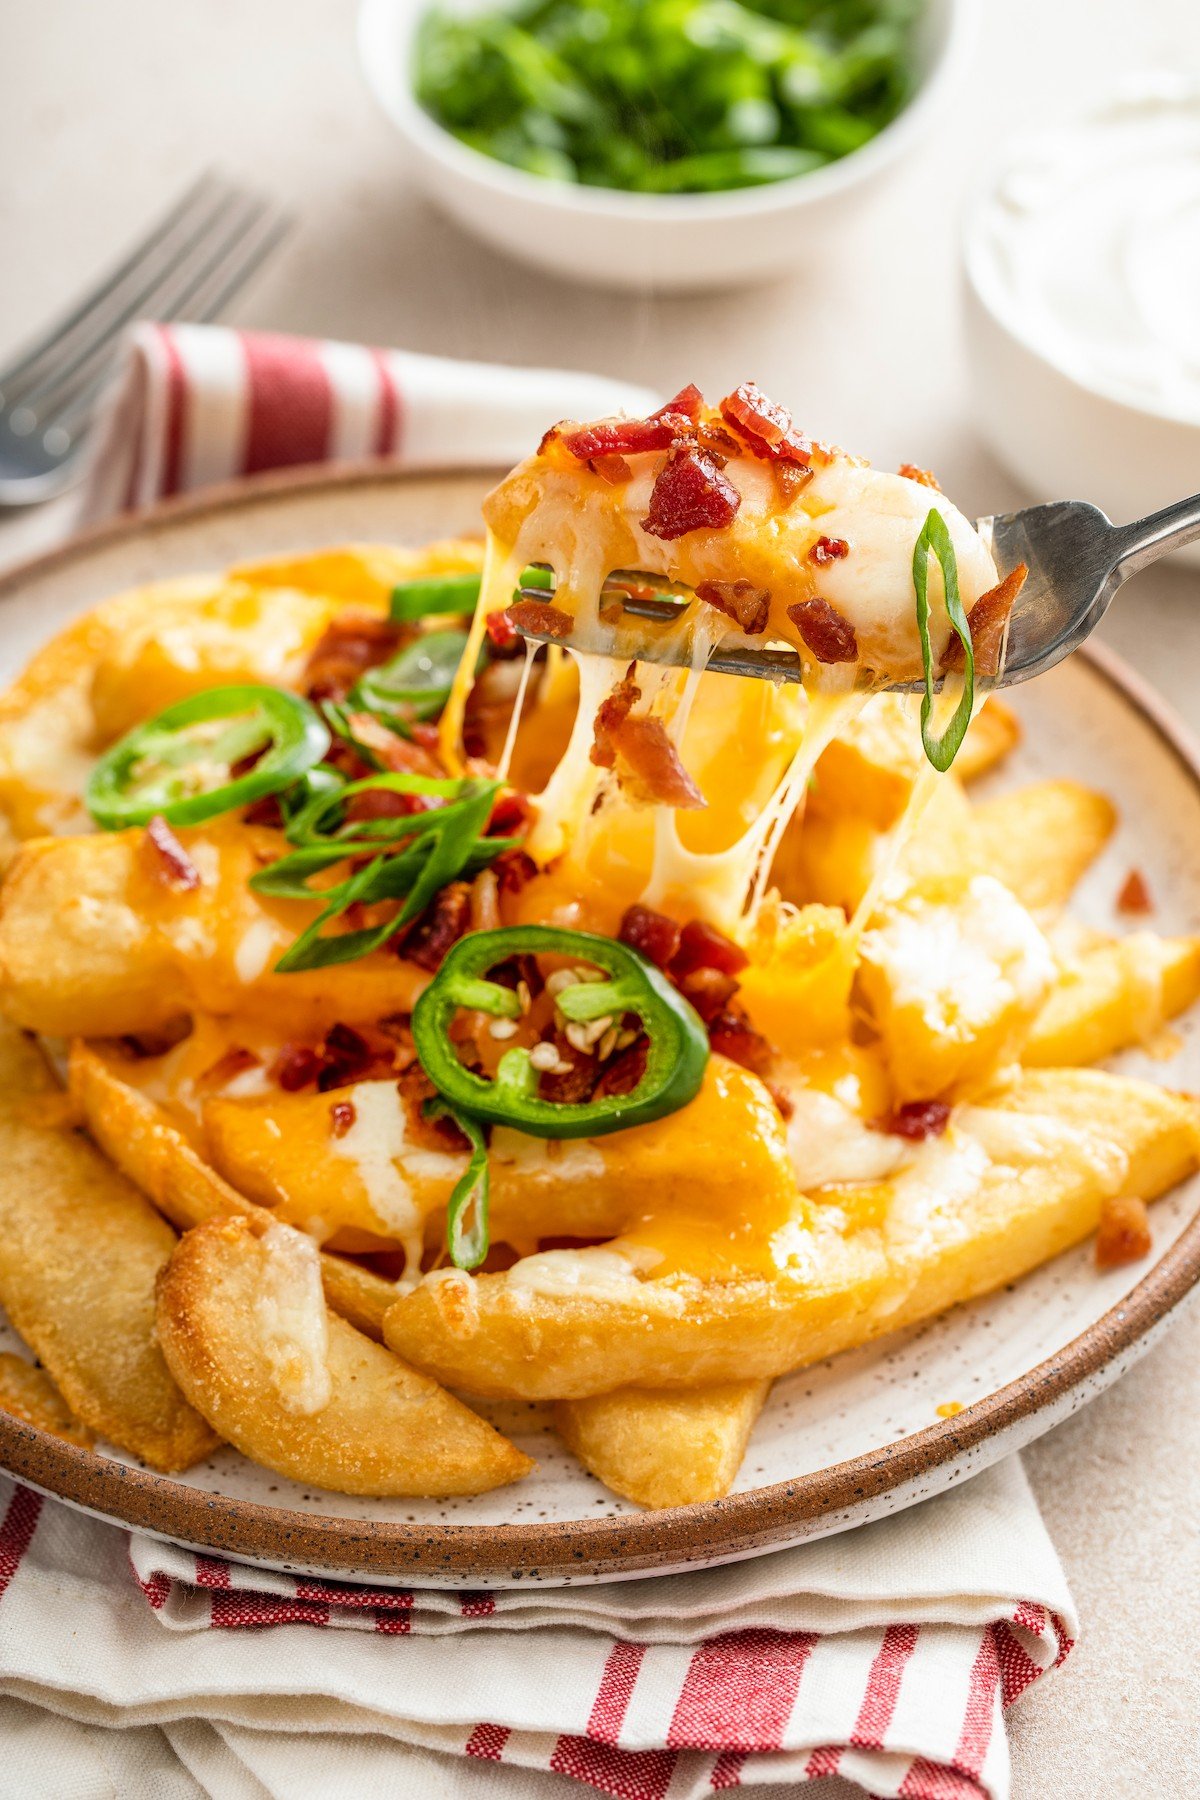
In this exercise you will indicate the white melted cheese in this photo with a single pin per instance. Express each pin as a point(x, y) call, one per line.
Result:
point(260, 943)
point(599, 1272)
point(293, 1325)
point(829, 1143)
point(928, 1196)
point(387, 1162)
point(1018, 1140)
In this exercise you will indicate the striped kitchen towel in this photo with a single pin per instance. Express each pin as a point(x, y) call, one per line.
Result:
point(885, 1655)
point(198, 404)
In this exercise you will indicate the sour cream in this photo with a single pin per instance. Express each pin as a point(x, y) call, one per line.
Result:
point(1086, 241)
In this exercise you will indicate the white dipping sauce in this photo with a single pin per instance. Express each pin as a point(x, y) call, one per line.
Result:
point(1088, 243)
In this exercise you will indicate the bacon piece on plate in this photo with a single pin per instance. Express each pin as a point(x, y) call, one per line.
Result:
point(988, 619)
point(341, 1117)
point(350, 644)
point(621, 437)
point(652, 933)
point(830, 636)
point(295, 1067)
point(1135, 896)
point(166, 859)
point(708, 991)
point(732, 1035)
point(234, 1062)
point(917, 1120)
point(613, 469)
point(539, 615)
point(502, 633)
point(651, 769)
point(766, 427)
point(690, 494)
point(611, 713)
point(702, 946)
point(1124, 1234)
point(748, 606)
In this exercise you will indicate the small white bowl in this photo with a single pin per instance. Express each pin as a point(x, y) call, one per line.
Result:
point(637, 241)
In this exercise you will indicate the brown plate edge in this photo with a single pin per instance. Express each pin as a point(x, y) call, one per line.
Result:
point(739, 1525)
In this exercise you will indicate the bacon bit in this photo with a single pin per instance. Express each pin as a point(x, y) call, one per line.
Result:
point(622, 1072)
point(688, 403)
point(346, 1056)
point(731, 1034)
point(926, 477)
point(517, 969)
point(790, 479)
point(785, 1106)
point(1124, 1235)
point(766, 427)
point(651, 933)
point(502, 633)
point(702, 946)
point(917, 1120)
point(351, 644)
point(540, 616)
point(341, 1117)
point(690, 494)
point(266, 811)
point(440, 926)
point(512, 812)
point(235, 1061)
point(827, 550)
point(621, 437)
point(613, 469)
point(515, 869)
point(398, 755)
point(295, 1067)
point(708, 991)
point(830, 636)
point(165, 858)
point(611, 714)
point(988, 619)
point(575, 1083)
point(652, 770)
point(748, 606)
point(1135, 895)
point(415, 1088)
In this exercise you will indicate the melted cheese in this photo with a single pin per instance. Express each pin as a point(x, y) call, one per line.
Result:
point(396, 1174)
point(291, 1320)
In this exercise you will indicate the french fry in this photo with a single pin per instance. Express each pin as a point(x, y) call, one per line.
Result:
point(80, 1250)
point(27, 1393)
point(664, 1449)
point(1117, 994)
point(295, 1388)
point(1041, 839)
point(1011, 1184)
point(141, 1140)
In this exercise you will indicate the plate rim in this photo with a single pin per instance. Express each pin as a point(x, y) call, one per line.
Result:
point(741, 1524)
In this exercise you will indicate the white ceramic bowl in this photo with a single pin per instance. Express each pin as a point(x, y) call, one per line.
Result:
point(621, 240)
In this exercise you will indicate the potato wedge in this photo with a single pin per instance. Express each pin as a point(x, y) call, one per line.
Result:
point(1011, 1184)
point(664, 1449)
point(294, 1387)
point(80, 1250)
point(155, 1155)
point(1116, 995)
point(27, 1393)
point(1041, 839)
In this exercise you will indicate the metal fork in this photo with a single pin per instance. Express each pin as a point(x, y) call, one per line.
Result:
point(188, 266)
point(1076, 557)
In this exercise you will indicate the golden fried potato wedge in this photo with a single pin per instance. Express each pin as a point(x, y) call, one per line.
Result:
point(1041, 839)
point(80, 1250)
point(94, 944)
point(248, 1336)
point(869, 769)
point(1115, 995)
point(664, 1449)
point(27, 1393)
point(1011, 1184)
point(156, 1155)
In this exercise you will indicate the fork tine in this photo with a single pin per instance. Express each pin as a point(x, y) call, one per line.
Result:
point(24, 366)
point(157, 293)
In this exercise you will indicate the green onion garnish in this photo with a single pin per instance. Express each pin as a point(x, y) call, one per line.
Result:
point(934, 537)
point(467, 1210)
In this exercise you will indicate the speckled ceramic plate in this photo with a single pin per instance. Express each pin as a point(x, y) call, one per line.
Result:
point(838, 1444)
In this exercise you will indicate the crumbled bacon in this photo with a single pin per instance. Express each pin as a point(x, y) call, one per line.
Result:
point(766, 427)
point(686, 404)
point(517, 969)
point(613, 469)
point(731, 1034)
point(988, 620)
point(690, 494)
point(917, 1120)
point(748, 606)
point(622, 1072)
point(785, 1106)
point(165, 858)
point(341, 1117)
point(1135, 896)
point(511, 813)
point(651, 933)
point(441, 925)
point(621, 437)
point(926, 477)
point(514, 870)
point(295, 1067)
point(415, 1088)
point(827, 550)
point(708, 991)
point(399, 756)
point(502, 633)
point(1124, 1235)
point(346, 1057)
point(574, 1083)
point(829, 635)
point(702, 946)
point(790, 479)
point(386, 803)
point(266, 811)
point(351, 644)
point(611, 714)
point(235, 1061)
point(540, 616)
point(651, 769)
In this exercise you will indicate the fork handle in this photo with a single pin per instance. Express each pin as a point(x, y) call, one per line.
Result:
point(1142, 543)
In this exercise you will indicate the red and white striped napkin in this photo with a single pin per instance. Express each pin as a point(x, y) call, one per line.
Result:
point(885, 1655)
point(198, 404)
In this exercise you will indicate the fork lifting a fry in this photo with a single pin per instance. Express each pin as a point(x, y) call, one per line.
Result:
point(457, 1019)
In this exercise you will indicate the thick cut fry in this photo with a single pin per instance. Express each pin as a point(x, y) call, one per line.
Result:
point(27, 1393)
point(869, 769)
point(91, 944)
point(1039, 840)
point(156, 1155)
point(1010, 1185)
point(294, 1387)
point(1116, 995)
point(79, 1253)
point(664, 1449)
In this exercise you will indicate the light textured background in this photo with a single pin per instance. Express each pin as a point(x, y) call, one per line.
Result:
point(107, 108)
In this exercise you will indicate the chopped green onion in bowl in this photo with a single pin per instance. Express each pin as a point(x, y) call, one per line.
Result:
point(667, 96)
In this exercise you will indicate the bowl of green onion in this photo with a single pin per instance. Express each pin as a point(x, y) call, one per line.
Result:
point(657, 143)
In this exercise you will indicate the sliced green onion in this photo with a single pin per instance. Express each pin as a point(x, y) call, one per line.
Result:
point(935, 537)
point(467, 1210)
point(413, 600)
